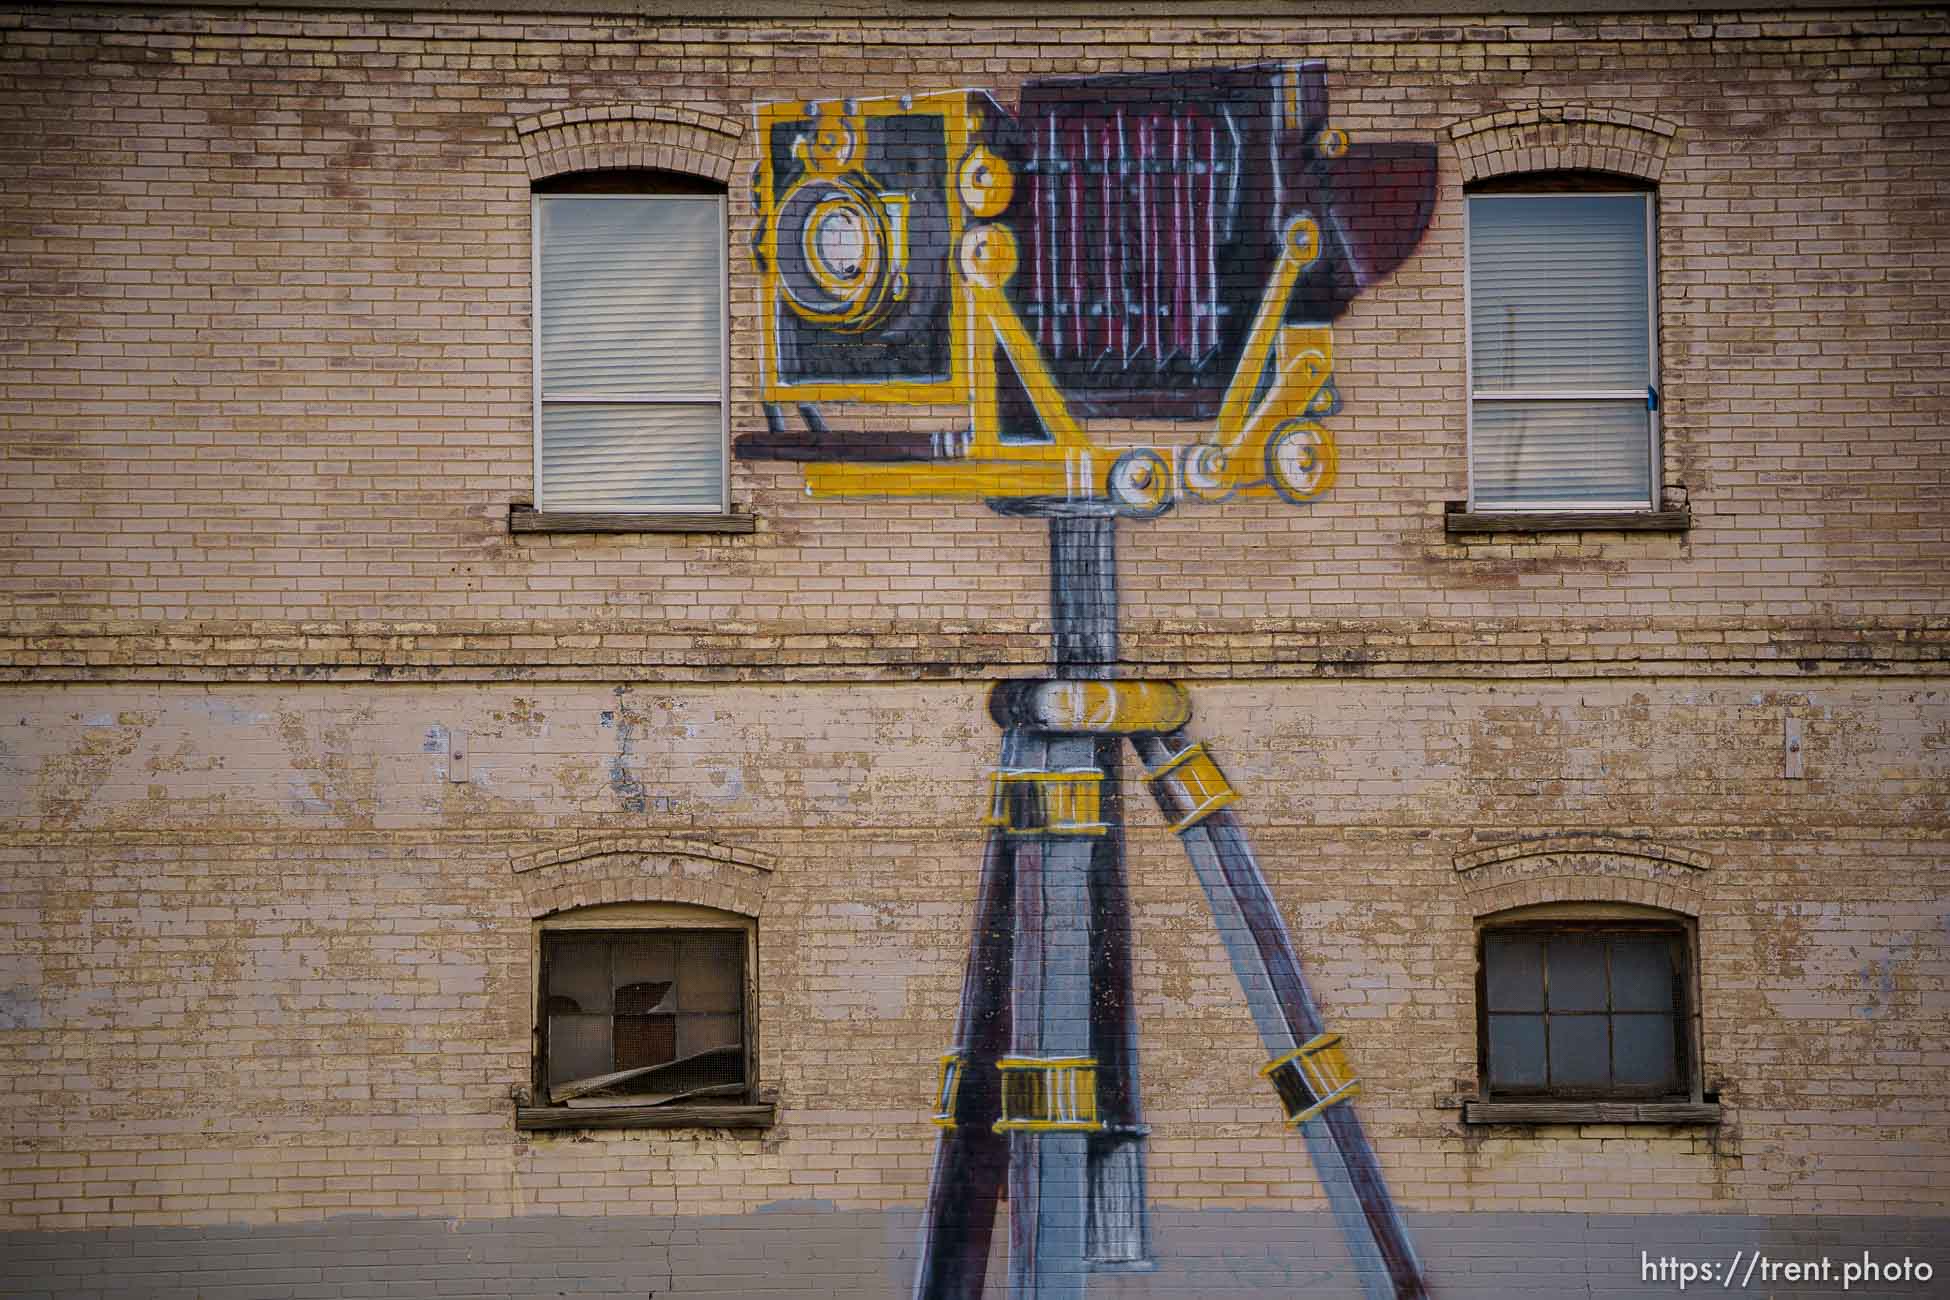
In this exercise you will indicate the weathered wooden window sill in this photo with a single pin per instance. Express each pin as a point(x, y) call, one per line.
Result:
point(527, 519)
point(1591, 1112)
point(548, 1118)
point(1457, 519)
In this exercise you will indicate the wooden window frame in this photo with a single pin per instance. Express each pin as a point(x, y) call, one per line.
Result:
point(1470, 516)
point(1689, 1104)
point(723, 517)
point(626, 921)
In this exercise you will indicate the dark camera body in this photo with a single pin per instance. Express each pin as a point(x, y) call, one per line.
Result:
point(895, 204)
point(1150, 217)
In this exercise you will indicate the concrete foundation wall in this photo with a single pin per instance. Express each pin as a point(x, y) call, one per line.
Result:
point(807, 1249)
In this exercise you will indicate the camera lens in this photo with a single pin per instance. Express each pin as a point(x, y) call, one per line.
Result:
point(837, 235)
point(837, 251)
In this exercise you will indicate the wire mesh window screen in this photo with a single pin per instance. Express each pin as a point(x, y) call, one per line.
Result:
point(630, 352)
point(1562, 390)
point(664, 1008)
point(1584, 1013)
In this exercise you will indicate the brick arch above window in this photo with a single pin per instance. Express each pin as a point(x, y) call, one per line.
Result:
point(1583, 869)
point(644, 1001)
point(1563, 137)
point(629, 136)
point(644, 868)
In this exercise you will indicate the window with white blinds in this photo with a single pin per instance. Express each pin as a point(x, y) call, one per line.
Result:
point(629, 352)
point(1563, 394)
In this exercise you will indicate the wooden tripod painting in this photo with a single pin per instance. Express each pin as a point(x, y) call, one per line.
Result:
point(1157, 247)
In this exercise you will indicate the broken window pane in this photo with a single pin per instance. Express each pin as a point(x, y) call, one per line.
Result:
point(651, 960)
point(579, 969)
point(578, 1047)
point(645, 1040)
point(645, 998)
point(667, 1005)
point(701, 1033)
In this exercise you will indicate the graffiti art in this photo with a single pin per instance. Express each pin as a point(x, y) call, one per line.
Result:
point(1170, 246)
point(1157, 247)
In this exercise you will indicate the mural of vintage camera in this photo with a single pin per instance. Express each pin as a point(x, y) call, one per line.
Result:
point(1167, 246)
point(1140, 248)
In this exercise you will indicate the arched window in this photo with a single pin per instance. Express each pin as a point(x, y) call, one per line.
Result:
point(630, 343)
point(644, 1018)
point(1562, 340)
point(1588, 1007)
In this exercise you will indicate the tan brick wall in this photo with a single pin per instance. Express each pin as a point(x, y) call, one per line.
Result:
point(267, 961)
point(265, 403)
point(268, 304)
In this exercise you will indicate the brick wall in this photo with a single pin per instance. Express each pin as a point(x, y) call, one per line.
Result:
point(268, 298)
point(265, 406)
point(272, 962)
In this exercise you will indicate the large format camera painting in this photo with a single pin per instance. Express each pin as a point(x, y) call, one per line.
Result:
point(1120, 251)
point(1170, 246)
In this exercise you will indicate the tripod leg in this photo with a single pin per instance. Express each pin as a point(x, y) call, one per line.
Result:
point(971, 1158)
point(1119, 1229)
point(1048, 1169)
point(1049, 1102)
point(1306, 1067)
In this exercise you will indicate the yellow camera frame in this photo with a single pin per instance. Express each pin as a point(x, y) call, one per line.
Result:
point(831, 149)
point(1269, 447)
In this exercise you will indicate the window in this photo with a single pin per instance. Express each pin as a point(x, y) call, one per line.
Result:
point(1595, 1010)
point(642, 1016)
point(630, 372)
point(1563, 400)
point(1588, 1012)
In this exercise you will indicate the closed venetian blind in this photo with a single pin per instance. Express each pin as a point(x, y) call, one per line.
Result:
point(630, 352)
point(1560, 311)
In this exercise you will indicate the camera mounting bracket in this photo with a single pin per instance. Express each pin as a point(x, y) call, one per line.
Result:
point(1267, 440)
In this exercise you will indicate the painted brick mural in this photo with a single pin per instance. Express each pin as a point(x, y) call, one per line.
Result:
point(1112, 654)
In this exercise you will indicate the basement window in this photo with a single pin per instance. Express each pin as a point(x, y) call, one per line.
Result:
point(1589, 1019)
point(1584, 1012)
point(644, 1026)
